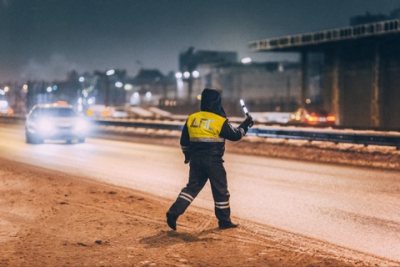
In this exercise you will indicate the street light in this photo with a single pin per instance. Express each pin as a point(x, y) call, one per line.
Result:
point(110, 72)
point(148, 97)
point(246, 60)
point(189, 78)
point(119, 84)
point(135, 99)
point(178, 75)
point(128, 86)
point(195, 74)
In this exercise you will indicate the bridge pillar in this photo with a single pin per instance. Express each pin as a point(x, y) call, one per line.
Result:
point(375, 93)
point(331, 83)
point(335, 107)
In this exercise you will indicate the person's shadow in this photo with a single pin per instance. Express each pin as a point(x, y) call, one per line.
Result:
point(168, 238)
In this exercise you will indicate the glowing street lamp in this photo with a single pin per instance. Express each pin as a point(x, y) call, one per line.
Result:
point(187, 77)
point(128, 86)
point(195, 74)
point(119, 84)
point(246, 60)
point(110, 72)
point(178, 75)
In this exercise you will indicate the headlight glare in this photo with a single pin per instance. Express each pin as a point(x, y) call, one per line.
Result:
point(81, 125)
point(45, 126)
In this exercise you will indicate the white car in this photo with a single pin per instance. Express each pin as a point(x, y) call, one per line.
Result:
point(55, 122)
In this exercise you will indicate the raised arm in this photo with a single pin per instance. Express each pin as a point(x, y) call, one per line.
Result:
point(236, 133)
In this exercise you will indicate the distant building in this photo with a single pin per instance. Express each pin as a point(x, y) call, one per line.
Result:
point(190, 64)
point(43, 92)
point(267, 86)
point(149, 87)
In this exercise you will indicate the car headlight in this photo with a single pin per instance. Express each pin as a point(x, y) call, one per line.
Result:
point(44, 126)
point(81, 125)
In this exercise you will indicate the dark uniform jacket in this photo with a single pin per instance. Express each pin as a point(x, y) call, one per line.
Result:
point(205, 131)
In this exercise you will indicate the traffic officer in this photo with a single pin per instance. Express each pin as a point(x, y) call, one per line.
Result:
point(203, 144)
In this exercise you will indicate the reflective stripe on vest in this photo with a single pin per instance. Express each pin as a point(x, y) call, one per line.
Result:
point(201, 139)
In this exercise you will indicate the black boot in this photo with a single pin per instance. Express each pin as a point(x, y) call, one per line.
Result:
point(226, 224)
point(171, 221)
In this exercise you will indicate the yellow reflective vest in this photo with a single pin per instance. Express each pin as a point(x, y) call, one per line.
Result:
point(205, 127)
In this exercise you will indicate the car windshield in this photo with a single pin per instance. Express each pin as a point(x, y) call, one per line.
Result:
point(57, 112)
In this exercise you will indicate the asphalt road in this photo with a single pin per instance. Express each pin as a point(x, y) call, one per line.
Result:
point(356, 208)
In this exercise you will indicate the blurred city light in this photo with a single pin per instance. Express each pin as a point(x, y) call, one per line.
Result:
point(178, 75)
point(49, 89)
point(180, 85)
point(2, 92)
point(91, 100)
point(246, 60)
point(110, 72)
point(281, 68)
point(81, 79)
point(6, 89)
point(80, 104)
point(148, 95)
point(128, 87)
point(119, 84)
point(55, 87)
point(195, 74)
point(186, 74)
point(3, 103)
point(25, 87)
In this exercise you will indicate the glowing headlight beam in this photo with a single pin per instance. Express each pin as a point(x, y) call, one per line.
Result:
point(45, 126)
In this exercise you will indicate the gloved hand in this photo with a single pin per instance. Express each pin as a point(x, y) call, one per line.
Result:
point(248, 122)
point(187, 158)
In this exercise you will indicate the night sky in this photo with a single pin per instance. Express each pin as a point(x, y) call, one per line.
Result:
point(44, 39)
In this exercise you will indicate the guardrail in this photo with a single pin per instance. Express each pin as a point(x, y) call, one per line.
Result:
point(329, 135)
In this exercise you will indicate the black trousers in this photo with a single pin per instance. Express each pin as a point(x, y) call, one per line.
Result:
point(203, 168)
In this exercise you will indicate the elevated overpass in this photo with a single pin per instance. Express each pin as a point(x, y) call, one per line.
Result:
point(361, 70)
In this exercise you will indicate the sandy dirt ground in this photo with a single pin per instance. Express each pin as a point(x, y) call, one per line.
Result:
point(49, 218)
